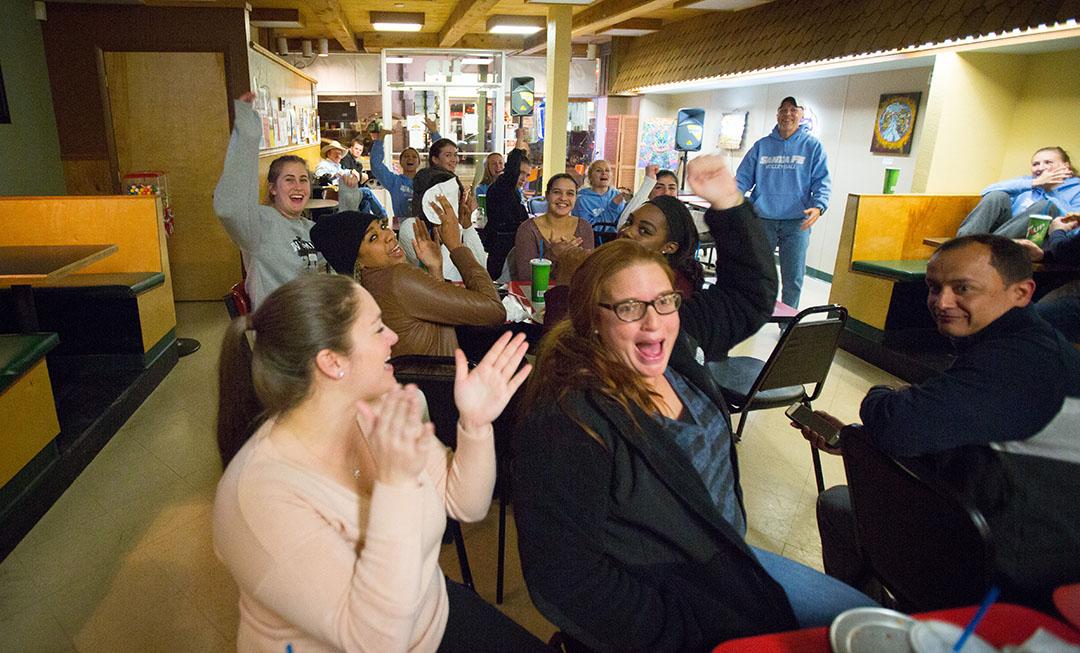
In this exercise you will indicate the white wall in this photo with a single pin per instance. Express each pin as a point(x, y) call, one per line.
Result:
point(845, 107)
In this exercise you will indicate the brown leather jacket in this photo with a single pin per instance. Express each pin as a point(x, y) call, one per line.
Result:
point(423, 310)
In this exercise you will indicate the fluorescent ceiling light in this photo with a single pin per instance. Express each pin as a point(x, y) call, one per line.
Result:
point(397, 21)
point(399, 60)
point(512, 24)
point(396, 27)
point(478, 61)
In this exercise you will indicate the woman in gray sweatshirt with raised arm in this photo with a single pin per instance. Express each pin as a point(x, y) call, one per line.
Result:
point(273, 237)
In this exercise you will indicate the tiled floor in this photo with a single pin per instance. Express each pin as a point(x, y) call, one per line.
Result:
point(123, 561)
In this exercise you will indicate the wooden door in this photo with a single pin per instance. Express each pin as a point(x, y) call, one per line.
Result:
point(170, 112)
point(620, 149)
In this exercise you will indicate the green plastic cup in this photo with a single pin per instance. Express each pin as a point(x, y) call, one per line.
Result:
point(892, 176)
point(1038, 226)
point(541, 271)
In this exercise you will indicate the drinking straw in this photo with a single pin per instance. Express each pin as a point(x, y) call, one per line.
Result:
point(991, 596)
point(541, 245)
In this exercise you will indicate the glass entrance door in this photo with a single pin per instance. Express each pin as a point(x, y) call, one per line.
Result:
point(460, 90)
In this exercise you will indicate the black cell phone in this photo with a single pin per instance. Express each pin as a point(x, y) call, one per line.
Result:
point(800, 413)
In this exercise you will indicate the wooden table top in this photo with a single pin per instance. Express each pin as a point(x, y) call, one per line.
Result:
point(28, 263)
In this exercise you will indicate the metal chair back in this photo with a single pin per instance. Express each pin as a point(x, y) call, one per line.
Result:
point(926, 542)
point(804, 352)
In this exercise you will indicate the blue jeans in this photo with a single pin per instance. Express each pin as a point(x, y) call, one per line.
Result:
point(793, 242)
point(815, 598)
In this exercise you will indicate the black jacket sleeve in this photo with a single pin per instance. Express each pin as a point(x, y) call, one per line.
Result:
point(504, 209)
point(1063, 247)
point(744, 294)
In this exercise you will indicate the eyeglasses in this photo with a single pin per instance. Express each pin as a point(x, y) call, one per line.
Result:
point(632, 310)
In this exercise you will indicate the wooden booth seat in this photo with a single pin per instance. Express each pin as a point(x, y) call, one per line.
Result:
point(880, 276)
point(27, 410)
point(116, 313)
point(104, 319)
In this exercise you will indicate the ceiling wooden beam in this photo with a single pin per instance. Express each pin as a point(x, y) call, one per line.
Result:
point(609, 12)
point(275, 18)
point(537, 43)
point(465, 13)
point(329, 13)
point(377, 41)
point(491, 42)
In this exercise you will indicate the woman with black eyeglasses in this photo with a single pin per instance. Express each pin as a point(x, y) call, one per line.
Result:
point(630, 517)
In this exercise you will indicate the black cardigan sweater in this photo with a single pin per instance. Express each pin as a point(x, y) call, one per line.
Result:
point(505, 211)
point(621, 545)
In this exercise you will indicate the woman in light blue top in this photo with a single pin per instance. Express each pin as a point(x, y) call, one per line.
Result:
point(599, 203)
point(400, 186)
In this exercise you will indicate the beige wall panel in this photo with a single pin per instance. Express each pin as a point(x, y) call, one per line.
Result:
point(87, 176)
point(170, 112)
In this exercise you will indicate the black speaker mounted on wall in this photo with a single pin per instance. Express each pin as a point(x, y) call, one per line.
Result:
point(521, 96)
point(689, 128)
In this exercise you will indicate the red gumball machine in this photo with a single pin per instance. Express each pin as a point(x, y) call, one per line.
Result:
point(152, 182)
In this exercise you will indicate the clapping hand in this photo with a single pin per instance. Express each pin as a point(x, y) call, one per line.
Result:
point(560, 245)
point(818, 441)
point(450, 229)
point(711, 179)
point(348, 179)
point(466, 207)
point(427, 250)
point(399, 440)
point(482, 394)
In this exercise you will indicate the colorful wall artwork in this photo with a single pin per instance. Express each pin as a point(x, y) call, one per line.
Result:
point(657, 144)
point(895, 123)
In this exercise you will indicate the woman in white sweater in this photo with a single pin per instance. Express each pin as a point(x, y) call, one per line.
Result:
point(273, 237)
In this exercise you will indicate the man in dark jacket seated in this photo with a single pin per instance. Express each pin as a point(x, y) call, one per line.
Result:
point(1002, 424)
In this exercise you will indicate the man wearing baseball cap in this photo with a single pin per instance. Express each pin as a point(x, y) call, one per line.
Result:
point(788, 180)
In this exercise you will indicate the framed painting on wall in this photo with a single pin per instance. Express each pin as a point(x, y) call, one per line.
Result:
point(5, 115)
point(732, 130)
point(894, 124)
point(657, 144)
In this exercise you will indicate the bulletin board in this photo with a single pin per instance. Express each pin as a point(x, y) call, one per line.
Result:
point(285, 101)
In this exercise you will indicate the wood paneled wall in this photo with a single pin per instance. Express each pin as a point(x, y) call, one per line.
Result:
point(75, 36)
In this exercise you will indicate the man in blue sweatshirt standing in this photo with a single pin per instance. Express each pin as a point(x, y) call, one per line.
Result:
point(788, 180)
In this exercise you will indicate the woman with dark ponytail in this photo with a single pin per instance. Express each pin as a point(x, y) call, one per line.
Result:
point(331, 510)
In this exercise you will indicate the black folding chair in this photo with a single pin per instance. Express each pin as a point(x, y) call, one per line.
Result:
point(923, 539)
point(434, 375)
point(802, 356)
